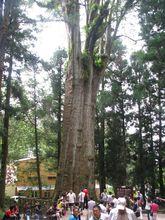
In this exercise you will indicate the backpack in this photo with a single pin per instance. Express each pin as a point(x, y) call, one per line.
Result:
point(137, 213)
point(136, 210)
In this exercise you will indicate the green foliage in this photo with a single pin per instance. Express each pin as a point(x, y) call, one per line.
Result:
point(99, 61)
point(85, 59)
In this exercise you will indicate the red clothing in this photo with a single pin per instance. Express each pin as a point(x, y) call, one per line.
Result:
point(86, 192)
point(154, 208)
point(16, 210)
point(9, 213)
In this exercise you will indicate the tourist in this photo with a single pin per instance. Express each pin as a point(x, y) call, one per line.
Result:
point(86, 198)
point(37, 211)
point(97, 214)
point(104, 197)
point(76, 214)
point(71, 196)
point(115, 201)
point(81, 198)
point(27, 211)
point(154, 210)
point(103, 207)
point(91, 204)
point(121, 211)
point(10, 213)
point(148, 207)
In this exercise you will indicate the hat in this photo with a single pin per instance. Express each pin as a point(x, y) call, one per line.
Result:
point(121, 203)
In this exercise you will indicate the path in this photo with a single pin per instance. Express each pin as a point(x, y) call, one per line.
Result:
point(84, 216)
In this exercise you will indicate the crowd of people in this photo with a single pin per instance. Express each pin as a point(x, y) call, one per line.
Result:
point(108, 207)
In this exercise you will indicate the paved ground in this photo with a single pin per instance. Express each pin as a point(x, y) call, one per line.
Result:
point(84, 217)
point(160, 217)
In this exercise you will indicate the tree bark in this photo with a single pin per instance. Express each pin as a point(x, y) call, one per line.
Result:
point(5, 133)
point(5, 11)
point(59, 111)
point(36, 142)
point(160, 145)
point(140, 151)
point(76, 167)
point(101, 149)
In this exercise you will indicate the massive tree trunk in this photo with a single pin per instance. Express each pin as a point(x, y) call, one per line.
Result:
point(76, 167)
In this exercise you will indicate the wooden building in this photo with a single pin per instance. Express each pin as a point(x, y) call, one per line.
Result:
point(27, 181)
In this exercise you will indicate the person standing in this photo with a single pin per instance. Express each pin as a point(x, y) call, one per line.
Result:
point(154, 210)
point(27, 211)
point(148, 207)
point(76, 214)
point(91, 204)
point(71, 199)
point(86, 198)
point(121, 212)
point(97, 214)
point(103, 207)
point(104, 197)
point(81, 197)
point(37, 211)
point(115, 201)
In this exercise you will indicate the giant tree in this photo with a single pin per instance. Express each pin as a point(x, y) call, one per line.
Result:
point(86, 67)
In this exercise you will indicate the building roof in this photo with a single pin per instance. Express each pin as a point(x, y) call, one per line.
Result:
point(24, 188)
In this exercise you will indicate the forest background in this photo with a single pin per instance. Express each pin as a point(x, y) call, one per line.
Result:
point(131, 94)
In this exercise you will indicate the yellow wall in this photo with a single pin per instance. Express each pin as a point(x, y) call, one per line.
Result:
point(10, 190)
point(27, 174)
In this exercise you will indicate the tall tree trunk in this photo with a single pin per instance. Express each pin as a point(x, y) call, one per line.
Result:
point(124, 150)
point(140, 151)
point(153, 165)
point(5, 11)
point(36, 143)
point(59, 112)
point(5, 133)
point(1, 46)
point(102, 147)
point(76, 167)
point(160, 145)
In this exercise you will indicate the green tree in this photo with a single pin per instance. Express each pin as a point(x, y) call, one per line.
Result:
point(117, 135)
point(13, 49)
point(152, 21)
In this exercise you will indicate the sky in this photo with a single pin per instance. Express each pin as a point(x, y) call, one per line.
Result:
point(53, 35)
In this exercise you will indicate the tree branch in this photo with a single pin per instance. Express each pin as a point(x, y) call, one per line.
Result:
point(97, 27)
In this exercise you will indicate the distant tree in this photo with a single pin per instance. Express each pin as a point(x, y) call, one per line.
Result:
point(13, 49)
point(153, 25)
point(57, 83)
point(117, 135)
point(100, 137)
